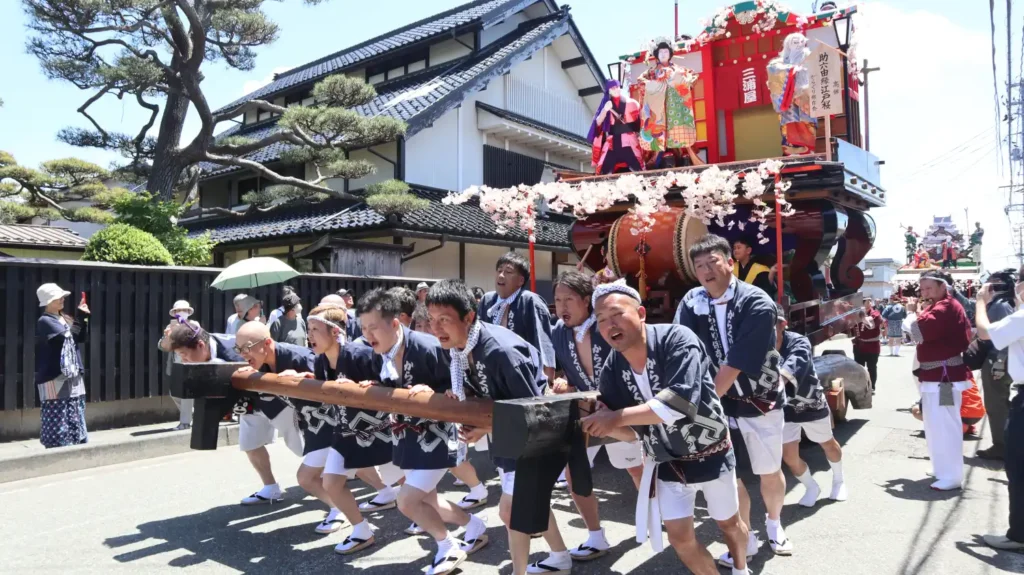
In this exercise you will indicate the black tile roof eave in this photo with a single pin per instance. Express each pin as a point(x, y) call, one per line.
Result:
point(432, 113)
point(444, 104)
point(513, 117)
point(42, 245)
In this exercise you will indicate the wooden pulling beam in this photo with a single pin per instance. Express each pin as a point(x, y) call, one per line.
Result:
point(542, 434)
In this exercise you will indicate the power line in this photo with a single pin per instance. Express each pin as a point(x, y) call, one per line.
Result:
point(1009, 86)
point(995, 75)
point(944, 155)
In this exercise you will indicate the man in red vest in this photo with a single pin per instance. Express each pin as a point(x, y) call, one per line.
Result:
point(867, 340)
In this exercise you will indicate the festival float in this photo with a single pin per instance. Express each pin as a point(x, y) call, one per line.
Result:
point(942, 245)
point(749, 129)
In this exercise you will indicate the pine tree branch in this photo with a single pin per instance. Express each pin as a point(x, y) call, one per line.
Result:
point(248, 148)
point(276, 178)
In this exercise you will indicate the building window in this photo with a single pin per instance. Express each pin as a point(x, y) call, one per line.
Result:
point(298, 98)
point(398, 66)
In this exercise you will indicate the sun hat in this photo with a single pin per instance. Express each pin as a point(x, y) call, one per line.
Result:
point(181, 305)
point(51, 292)
point(422, 285)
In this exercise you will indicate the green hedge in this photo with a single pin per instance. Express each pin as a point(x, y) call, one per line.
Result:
point(124, 244)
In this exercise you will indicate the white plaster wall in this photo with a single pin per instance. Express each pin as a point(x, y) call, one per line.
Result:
point(450, 50)
point(385, 170)
point(440, 264)
point(431, 158)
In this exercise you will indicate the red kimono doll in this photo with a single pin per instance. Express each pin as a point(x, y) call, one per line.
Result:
point(613, 133)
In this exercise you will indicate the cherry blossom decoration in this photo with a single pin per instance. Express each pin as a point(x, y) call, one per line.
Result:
point(708, 195)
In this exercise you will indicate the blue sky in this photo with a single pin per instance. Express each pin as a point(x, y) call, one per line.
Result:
point(934, 55)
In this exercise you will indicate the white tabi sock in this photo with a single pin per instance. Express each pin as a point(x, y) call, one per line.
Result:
point(559, 560)
point(386, 495)
point(897, 350)
point(479, 492)
point(744, 571)
point(362, 531)
point(837, 471)
point(271, 491)
point(811, 489)
point(597, 539)
point(774, 529)
point(444, 546)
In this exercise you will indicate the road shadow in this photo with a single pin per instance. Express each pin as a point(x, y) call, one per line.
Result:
point(1005, 561)
point(918, 490)
point(146, 432)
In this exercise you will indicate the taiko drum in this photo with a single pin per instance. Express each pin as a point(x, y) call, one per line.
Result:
point(669, 239)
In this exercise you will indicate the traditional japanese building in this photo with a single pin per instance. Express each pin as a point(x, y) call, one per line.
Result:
point(494, 92)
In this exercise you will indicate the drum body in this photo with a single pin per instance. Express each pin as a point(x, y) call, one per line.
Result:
point(668, 261)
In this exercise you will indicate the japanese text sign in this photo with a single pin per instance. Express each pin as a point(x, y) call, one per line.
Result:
point(825, 68)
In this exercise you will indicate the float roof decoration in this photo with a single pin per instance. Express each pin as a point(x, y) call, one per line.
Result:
point(765, 15)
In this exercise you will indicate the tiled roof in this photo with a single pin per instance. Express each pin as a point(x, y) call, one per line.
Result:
point(477, 12)
point(460, 220)
point(530, 122)
point(421, 98)
point(40, 236)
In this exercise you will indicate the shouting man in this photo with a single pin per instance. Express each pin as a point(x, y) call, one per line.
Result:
point(491, 362)
point(657, 384)
point(423, 449)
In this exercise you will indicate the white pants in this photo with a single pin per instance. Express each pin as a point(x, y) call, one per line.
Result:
point(944, 432)
point(256, 430)
point(818, 431)
point(677, 500)
point(184, 409)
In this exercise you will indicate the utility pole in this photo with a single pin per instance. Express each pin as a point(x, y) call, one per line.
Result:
point(867, 109)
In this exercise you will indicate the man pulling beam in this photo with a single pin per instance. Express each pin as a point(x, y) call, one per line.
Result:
point(657, 384)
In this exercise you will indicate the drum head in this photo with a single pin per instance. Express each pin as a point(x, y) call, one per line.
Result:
point(688, 230)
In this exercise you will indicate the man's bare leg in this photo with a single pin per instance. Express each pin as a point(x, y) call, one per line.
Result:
point(736, 536)
point(309, 479)
point(518, 542)
point(259, 458)
point(684, 540)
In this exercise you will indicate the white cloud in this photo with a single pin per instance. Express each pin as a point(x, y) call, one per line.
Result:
point(924, 104)
point(253, 85)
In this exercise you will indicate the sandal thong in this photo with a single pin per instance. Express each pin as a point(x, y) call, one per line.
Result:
point(360, 545)
point(593, 553)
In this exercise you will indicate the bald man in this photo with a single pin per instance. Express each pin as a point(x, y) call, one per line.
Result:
point(333, 299)
point(267, 413)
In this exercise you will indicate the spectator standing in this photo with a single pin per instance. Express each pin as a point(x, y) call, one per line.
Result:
point(421, 292)
point(942, 333)
point(996, 381)
point(1008, 334)
point(59, 369)
point(232, 324)
point(180, 312)
point(867, 344)
point(289, 327)
point(353, 329)
point(894, 316)
point(478, 294)
point(280, 310)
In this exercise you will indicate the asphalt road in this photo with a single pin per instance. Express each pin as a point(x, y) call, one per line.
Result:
point(180, 514)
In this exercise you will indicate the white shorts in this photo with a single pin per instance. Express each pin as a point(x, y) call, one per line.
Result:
point(763, 438)
point(620, 454)
point(818, 431)
point(483, 444)
point(425, 480)
point(676, 500)
point(317, 458)
point(335, 465)
point(256, 430)
point(508, 482)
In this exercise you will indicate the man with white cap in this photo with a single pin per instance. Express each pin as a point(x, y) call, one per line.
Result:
point(656, 384)
point(59, 369)
point(247, 308)
point(421, 292)
point(180, 311)
point(942, 333)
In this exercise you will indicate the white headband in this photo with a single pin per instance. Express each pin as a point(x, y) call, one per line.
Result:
point(325, 321)
point(618, 286)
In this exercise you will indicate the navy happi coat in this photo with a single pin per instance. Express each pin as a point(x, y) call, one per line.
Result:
point(300, 359)
point(568, 360)
point(678, 370)
point(750, 331)
point(504, 366)
point(363, 437)
point(528, 317)
point(422, 443)
point(806, 396)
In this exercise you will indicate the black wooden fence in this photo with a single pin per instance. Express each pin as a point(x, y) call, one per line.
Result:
point(130, 306)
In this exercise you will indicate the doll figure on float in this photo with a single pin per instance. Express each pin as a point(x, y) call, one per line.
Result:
point(668, 128)
point(790, 85)
point(613, 133)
